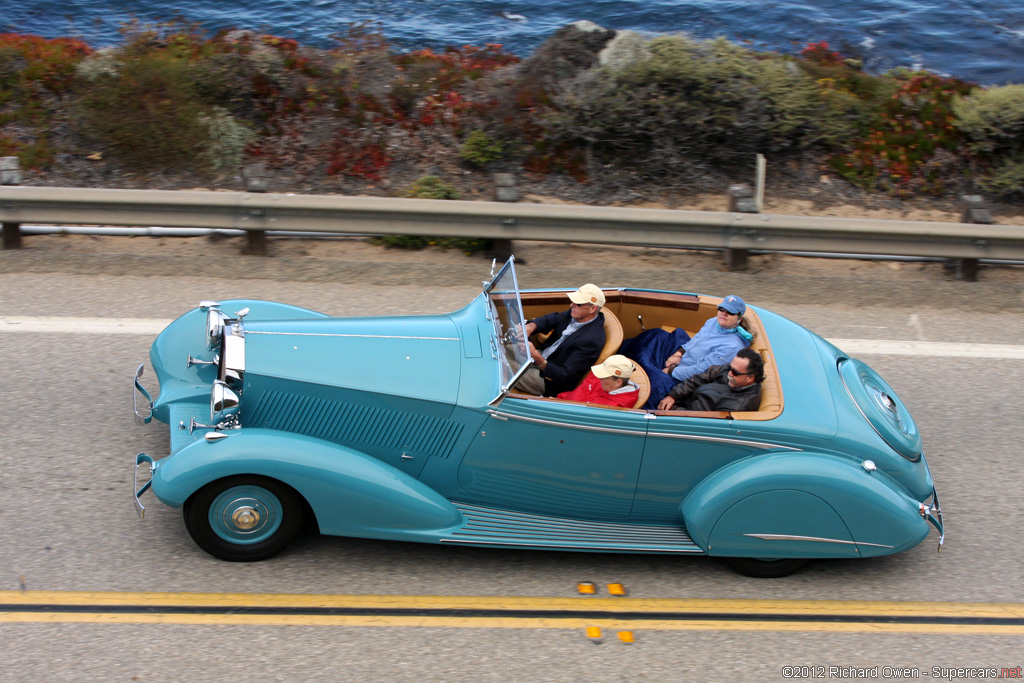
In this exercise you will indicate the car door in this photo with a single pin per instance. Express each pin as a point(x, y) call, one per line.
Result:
point(556, 458)
point(680, 452)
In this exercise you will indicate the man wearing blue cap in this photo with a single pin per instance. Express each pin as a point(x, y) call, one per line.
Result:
point(715, 344)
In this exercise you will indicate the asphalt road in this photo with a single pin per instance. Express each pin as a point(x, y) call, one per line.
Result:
point(67, 443)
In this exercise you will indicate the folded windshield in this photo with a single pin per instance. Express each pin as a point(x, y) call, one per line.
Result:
point(509, 340)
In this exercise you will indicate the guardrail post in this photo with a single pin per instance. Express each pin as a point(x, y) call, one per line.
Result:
point(505, 190)
point(741, 200)
point(975, 210)
point(255, 178)
point(10, 174)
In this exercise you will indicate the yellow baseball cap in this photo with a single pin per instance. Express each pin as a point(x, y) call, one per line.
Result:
point(614, 366)
point(587, 294)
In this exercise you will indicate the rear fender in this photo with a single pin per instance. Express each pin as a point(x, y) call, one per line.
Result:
point(351, 493)
point(801, 505)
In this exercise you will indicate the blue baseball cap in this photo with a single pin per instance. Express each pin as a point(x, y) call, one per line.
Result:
point(733, 304)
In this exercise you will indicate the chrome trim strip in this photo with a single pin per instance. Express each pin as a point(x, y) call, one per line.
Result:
point(567, 425)
point(359, 336)
point(480, 511)
point(609, 430)
point(722, 439)
point(497, 527)
point(788, 537)
point(509, 544)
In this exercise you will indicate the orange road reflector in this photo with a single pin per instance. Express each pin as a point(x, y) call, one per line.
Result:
point(616, 589)
point(594, 633)
point(586, 588)
point(627, 637)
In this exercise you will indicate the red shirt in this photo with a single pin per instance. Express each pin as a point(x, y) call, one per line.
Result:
point(590, 391)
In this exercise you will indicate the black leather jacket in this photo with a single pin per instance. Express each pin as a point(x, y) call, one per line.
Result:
point(710, 390)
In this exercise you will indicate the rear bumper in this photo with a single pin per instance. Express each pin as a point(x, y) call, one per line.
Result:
point(933, 514)
point(137, 490)
point(137, 389)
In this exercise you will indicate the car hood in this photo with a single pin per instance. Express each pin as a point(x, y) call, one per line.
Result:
point(412, 356)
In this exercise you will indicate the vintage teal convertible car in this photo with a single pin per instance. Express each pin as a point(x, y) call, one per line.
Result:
point(409, 428)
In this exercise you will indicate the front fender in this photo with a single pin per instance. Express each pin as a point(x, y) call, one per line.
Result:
point(801, 505)
point(351, 493)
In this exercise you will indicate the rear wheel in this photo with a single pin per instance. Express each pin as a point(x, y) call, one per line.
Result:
point(243, 518)
point(766, 569)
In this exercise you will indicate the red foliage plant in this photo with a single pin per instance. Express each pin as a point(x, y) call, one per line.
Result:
point(49, 62)
point(368, 161)
point(915, 124)
point(820, 53)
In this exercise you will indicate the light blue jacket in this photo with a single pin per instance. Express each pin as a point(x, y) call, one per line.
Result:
point(711, 346)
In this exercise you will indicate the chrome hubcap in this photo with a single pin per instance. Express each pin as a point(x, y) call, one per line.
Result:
point(245, 517)
point(885, 403)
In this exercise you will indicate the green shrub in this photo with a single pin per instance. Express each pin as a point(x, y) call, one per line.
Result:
point(1005, 179)
point(149, 114)
point(403, 241)
point(690, 104)
point(992, 120)
point(480, 149)
point(228, 139)
point(432, 187)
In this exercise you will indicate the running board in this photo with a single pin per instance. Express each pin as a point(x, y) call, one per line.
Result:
point(505, 528)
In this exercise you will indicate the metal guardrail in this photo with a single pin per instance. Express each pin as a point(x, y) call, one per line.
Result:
point(509, 221)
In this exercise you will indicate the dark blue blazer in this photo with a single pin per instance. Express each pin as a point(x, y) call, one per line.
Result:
point(572, 360)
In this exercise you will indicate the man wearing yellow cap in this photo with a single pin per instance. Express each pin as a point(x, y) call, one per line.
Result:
point(607, 384)
point(577, 337)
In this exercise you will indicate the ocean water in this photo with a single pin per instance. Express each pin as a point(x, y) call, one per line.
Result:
point(977, 40)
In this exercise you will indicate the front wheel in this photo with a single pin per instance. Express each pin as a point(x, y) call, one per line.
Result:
point(766, 569)
point(243, 518)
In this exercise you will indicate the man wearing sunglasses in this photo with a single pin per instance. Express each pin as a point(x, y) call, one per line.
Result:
point(733, 386)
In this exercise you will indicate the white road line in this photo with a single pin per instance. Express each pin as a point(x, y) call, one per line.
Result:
point(57, 325)
point(890, 347)
point(152, 327)
point(916, 322)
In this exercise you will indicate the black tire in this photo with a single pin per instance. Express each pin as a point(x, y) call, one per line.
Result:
point(766, 569)
point(243, 518)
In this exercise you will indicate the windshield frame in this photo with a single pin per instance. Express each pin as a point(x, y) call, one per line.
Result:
point(508, 340)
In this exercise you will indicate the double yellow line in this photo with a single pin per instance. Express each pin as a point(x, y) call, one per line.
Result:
point(625, 613)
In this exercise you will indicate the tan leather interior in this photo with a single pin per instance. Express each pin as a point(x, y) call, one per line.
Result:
point(612, 336)
point(636, 311)
point(640, 378)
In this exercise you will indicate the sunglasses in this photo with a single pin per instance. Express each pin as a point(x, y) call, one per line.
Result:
point(732, 371)
point(722, 310)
